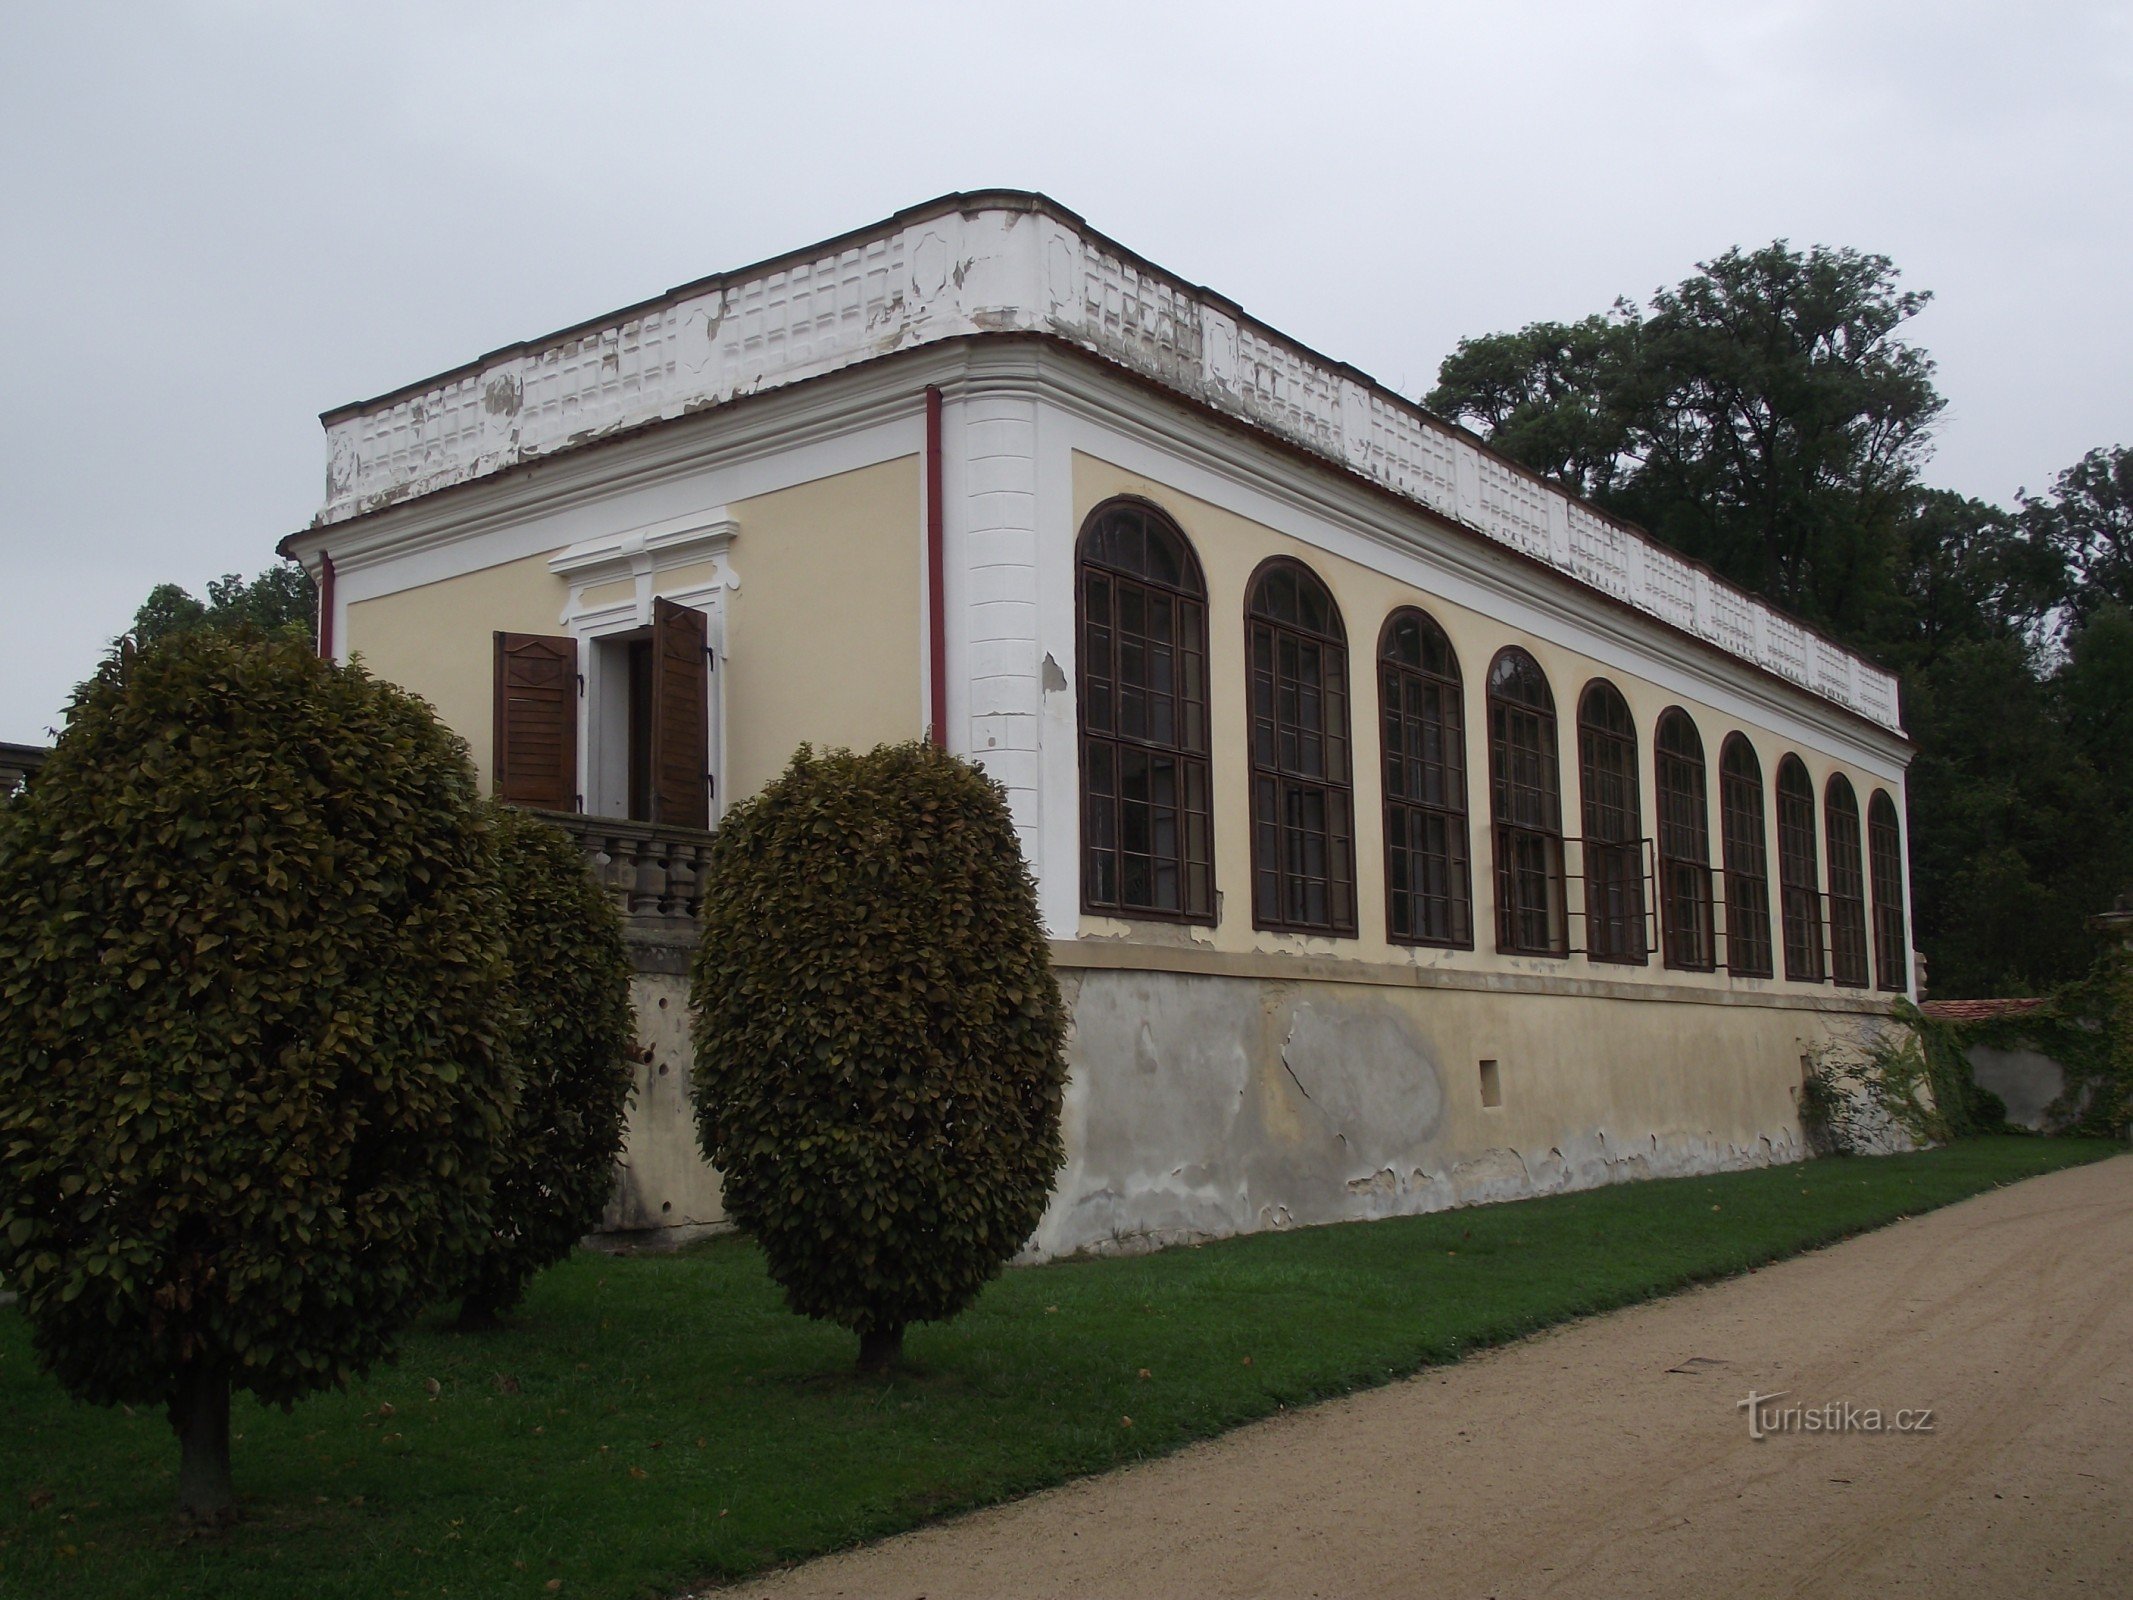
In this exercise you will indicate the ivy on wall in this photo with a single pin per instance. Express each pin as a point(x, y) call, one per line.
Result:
point(2087, 1027)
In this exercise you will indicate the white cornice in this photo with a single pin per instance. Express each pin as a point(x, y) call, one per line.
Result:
point(881, 396)
point(1000, 264)
point(886, 394)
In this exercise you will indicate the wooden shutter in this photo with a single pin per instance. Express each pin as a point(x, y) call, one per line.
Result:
point(681, 717)
point(536, 751)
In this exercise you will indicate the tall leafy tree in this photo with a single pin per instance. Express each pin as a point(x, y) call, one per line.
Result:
point(2094, 687)
point(2014, 835)
point(2087, 520)
point(1555, 396)
point(281, 599)
point(1765, 415)
point(1965, 572)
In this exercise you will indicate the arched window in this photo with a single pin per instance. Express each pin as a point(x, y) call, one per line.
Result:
point(1614, 826)
point(1847, 886)
point(1799, 873)
point(1428, 885)
point(1147, 825)
point(1884, 849)
point(1303, 808)
point(1684, 843)
point(1525, 802)
point(1740, 807)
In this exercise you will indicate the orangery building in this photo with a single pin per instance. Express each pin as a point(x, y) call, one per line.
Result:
point(1409, 832)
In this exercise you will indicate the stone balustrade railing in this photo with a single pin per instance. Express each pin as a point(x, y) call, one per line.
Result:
point(1003, 262)
point(654, 872)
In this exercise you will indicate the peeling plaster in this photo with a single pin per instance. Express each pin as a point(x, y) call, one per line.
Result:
point(1200, 1107)
point(501, 396)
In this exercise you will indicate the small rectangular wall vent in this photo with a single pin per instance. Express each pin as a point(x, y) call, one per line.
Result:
point(1491, 1084)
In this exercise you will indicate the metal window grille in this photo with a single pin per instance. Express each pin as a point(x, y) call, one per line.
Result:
point(1147, 808)
point(1428, 878)
point(1799, 876)
point(1303, 809)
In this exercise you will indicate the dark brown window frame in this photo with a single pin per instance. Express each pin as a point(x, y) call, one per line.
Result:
point(1680, 779)
point(1281, 788)
point(1800, 874)
point(1405, 691)
point(1884, 854)
point(1850, 965)
point(1611, 809)
point(1537, 838)
point(1194, 858)
point(1746, 838)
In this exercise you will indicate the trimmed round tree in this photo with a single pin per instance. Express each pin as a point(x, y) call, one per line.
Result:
point(574, 1028)
point(878, 1037)
point(251, 962)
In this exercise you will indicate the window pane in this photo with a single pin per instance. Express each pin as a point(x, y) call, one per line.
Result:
point(1303, 846)
point(1143, 690)
point(1427, 892)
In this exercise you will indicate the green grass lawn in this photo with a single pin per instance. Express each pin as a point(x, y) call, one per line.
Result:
point(654, 1422)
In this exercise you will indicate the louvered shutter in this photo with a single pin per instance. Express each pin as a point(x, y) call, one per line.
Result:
point(536, 752)
point(681, 717)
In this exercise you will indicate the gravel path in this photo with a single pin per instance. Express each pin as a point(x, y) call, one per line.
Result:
point(1612, 1458)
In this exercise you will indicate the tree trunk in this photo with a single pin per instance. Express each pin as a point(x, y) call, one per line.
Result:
point(881, 1350)
point(478, 1313)
point(200, 1414)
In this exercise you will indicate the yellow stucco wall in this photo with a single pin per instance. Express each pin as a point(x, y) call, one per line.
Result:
point(440, 640)
point(822, 637)
point(1230, 549)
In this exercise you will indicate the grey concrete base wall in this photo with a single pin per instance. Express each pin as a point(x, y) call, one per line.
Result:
point(1202, 1106)
point(663, 1189)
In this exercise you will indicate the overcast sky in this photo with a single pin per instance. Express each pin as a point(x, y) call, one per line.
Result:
point(219, 219)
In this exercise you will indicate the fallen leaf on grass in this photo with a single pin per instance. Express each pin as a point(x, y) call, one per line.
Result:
point(1125, 1422)
point(639, 1473)
point(385, 1408)
point(432, 1388)
point(506, 1384)
point(1146, 1373)
point(40, 1498)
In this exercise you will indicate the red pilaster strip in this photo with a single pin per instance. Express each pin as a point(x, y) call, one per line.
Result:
point(936, 578)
